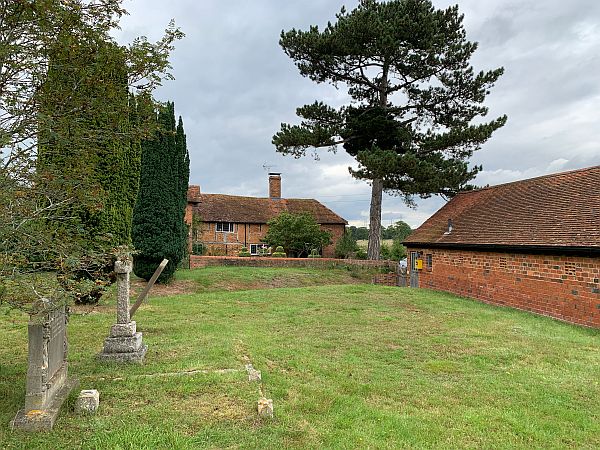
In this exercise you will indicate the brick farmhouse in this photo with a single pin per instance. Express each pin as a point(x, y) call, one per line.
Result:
point(230, 222)
point(532, 245)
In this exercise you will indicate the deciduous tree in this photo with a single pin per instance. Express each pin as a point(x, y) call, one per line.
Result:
point(39, 231)
point(298, 234)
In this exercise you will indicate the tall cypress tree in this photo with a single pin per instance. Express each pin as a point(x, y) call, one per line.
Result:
point(159, 230)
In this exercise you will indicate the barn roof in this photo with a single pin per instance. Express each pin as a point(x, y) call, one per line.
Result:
point(238, 209)
point(553, 211)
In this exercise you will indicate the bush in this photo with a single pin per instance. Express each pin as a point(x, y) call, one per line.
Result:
point(198, 248)
point(314, 253)
point(346, 246)
point(278, 253)
point(244, 252)
point(360, 254)
point(398, 251)
point(385, 252)
point(297, 233)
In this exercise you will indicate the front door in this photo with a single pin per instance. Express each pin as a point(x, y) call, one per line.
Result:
point(414, 273)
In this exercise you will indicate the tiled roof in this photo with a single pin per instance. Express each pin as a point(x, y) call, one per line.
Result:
point(233, 208)
point(559, 210)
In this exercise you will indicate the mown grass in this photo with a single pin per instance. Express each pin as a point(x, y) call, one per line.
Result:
point(213, 279)
point(352, 366)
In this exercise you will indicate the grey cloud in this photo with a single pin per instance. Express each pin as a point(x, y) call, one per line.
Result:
point(234, 86)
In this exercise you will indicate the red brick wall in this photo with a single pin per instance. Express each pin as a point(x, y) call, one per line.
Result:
point(251, 233)
point(337, 231)
point(563, 287)
point(386, 279)
point(208, 261)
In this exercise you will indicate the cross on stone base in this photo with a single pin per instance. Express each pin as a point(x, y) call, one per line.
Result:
point(124, 344)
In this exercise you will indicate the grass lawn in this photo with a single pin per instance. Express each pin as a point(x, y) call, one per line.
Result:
point(348, 366)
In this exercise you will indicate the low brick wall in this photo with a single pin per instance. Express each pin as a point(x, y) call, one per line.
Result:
point(209, 261)
point(563, 287)
point(386, 279)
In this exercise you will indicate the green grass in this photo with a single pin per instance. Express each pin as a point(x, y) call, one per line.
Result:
point(214, 279)
point(351, 366)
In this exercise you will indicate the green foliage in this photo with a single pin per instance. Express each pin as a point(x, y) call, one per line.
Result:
point(198, 248)
point(397, 251)
point(359, 233)
point(68, 165)
point(360, 254)
point(279, 252)
point(159, 230)
point(400, 230)
point(297, 233)
point(244, 252)
point(314, 253)
point(402, 51)
point(385, 251)
point(346, 246)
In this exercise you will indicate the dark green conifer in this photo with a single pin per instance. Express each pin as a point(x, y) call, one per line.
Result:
point(159, 230)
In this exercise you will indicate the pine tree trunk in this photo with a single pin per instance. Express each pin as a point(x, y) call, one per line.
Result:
point(375, 220)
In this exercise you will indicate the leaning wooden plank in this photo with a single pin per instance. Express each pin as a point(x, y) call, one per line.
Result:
point(144, 293)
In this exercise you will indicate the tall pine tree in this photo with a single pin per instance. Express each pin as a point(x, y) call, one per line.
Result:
point(413, 119)
point(159, 230)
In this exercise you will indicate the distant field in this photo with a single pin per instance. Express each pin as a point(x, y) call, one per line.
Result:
point(363, 243)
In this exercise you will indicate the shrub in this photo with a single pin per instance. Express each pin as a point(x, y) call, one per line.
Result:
point(360, 254)
point(198, 248)
point(296, 232)
point(385, 252)
point(346, 246)
point(398, 251)
point(278, 253)
point(314, 253)
point(244, 252)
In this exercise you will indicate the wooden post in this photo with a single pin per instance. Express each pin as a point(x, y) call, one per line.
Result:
point(144, 293)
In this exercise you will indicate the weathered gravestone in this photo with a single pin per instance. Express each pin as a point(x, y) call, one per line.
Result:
point(47, 383)
point(124, 344)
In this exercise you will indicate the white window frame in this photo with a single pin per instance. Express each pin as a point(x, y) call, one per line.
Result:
point(225, 227)
point(257, 247)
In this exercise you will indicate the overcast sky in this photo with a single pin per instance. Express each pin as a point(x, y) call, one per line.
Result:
point(234, 86)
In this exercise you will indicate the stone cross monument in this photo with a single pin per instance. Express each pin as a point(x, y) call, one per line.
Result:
point(47, 384)
point(124, 344)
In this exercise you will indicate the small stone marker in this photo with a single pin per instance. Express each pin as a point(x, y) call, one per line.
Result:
point(265, 407)
point(87, 402)
point(124, 344)
point(253, 374)
point(47, 384)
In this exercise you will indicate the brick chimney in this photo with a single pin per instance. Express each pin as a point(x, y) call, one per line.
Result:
point(275, 185)
point(193, 193)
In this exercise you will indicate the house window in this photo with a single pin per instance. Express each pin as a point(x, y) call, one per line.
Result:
point(255, 249)
point(225, 227)
point(429, 262)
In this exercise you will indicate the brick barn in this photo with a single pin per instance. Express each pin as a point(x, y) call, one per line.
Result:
point(230, 222)
point(532, 245)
